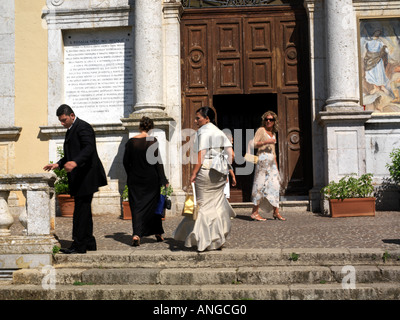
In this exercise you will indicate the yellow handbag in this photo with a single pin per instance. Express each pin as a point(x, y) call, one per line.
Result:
point(190, 208)
point(251, 158)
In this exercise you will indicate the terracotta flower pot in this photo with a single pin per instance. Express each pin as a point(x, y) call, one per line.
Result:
point(126, 211)
point(353, 207)
point(66, 204)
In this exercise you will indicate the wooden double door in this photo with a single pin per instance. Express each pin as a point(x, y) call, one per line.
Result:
point(243, 62)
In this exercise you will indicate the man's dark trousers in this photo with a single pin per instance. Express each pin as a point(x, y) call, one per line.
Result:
point(82, 230)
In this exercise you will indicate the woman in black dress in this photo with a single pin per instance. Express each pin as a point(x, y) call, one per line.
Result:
point(146, 175)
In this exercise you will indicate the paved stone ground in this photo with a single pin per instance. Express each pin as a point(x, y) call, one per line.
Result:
point(301, 230)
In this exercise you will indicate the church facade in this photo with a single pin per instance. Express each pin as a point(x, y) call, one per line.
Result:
point(330, 69)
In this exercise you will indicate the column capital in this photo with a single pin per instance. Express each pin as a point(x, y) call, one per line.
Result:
point(172, 10)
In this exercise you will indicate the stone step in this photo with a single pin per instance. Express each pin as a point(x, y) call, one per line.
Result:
point(294, 206)
point(206, 276)
point(228, 258)
point(286, 204)
point(276, 274)
point(327, 291)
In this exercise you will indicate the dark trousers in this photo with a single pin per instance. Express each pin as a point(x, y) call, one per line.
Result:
point(82, 227)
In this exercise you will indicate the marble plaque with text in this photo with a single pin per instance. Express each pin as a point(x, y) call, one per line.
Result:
point(98, 73)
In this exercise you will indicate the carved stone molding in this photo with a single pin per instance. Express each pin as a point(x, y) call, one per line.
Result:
point(10, 133)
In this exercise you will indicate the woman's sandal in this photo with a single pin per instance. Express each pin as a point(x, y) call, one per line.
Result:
point(279, 217)
point(136, 241)
point(257, 217)
point(159, 238)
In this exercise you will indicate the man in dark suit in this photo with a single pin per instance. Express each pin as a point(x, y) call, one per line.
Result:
point(85, 175)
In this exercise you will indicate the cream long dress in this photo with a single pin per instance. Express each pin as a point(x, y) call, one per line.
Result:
point(213, 224)
point(266, 183)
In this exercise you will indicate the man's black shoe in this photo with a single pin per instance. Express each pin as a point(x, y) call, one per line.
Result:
point(71, 251)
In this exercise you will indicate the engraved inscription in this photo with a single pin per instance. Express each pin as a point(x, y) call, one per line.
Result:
point(98, 74)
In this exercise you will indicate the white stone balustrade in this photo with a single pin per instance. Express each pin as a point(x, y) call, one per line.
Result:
point(33, 248)
point(38, 189)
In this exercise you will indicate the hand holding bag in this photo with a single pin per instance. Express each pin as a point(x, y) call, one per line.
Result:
point(168, 203)
point(190, 208)
point(249, 157)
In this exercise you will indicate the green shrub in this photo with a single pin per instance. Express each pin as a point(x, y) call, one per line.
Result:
point(394, 167)
point(349, 187)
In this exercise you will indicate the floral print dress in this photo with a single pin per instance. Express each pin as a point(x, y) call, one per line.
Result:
point(266, 183)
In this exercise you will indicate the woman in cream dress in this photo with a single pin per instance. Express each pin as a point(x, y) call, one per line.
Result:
point(214, 153)
point(266, 183)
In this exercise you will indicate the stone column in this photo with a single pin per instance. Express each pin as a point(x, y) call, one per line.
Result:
point(158, 83)
point(343, 120)
point(148, 56)
point(341, 57)
point(172, 11)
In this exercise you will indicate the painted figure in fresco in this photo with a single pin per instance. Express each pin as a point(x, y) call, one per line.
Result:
point(395, 84)
point(380, 49)
point(374, 63)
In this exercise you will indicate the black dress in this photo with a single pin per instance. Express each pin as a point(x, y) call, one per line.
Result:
point(144, 181)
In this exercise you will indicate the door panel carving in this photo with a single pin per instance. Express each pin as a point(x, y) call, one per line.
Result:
point(227, 56)
point(289, 52)
point(260, 69)
point(195, 52)
point(228, 76)
point(293, 168)
point(189, 107)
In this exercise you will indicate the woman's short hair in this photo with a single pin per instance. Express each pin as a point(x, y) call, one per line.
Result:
point(146, 124)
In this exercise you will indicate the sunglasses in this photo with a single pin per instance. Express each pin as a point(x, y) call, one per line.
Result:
point(269, 119)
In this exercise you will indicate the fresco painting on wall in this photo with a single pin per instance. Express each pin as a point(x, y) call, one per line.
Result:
point(380, 64)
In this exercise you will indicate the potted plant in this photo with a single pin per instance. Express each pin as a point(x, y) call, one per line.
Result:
point(126, 209)
point(66, 202)
point(394, 167)
point(351, 196)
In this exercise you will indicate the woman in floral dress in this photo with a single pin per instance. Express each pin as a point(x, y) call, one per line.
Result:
point(266, 177)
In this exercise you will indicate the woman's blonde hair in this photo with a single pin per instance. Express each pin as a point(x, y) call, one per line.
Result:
point(273, 114)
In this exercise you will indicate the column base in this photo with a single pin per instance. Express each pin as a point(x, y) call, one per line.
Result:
point(107, 201)
point(148, 108)
point(341, 105)
point(160, 118)
point(344, 135)
point(178, 201)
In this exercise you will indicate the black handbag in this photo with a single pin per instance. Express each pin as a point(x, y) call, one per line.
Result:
point(168, 204)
